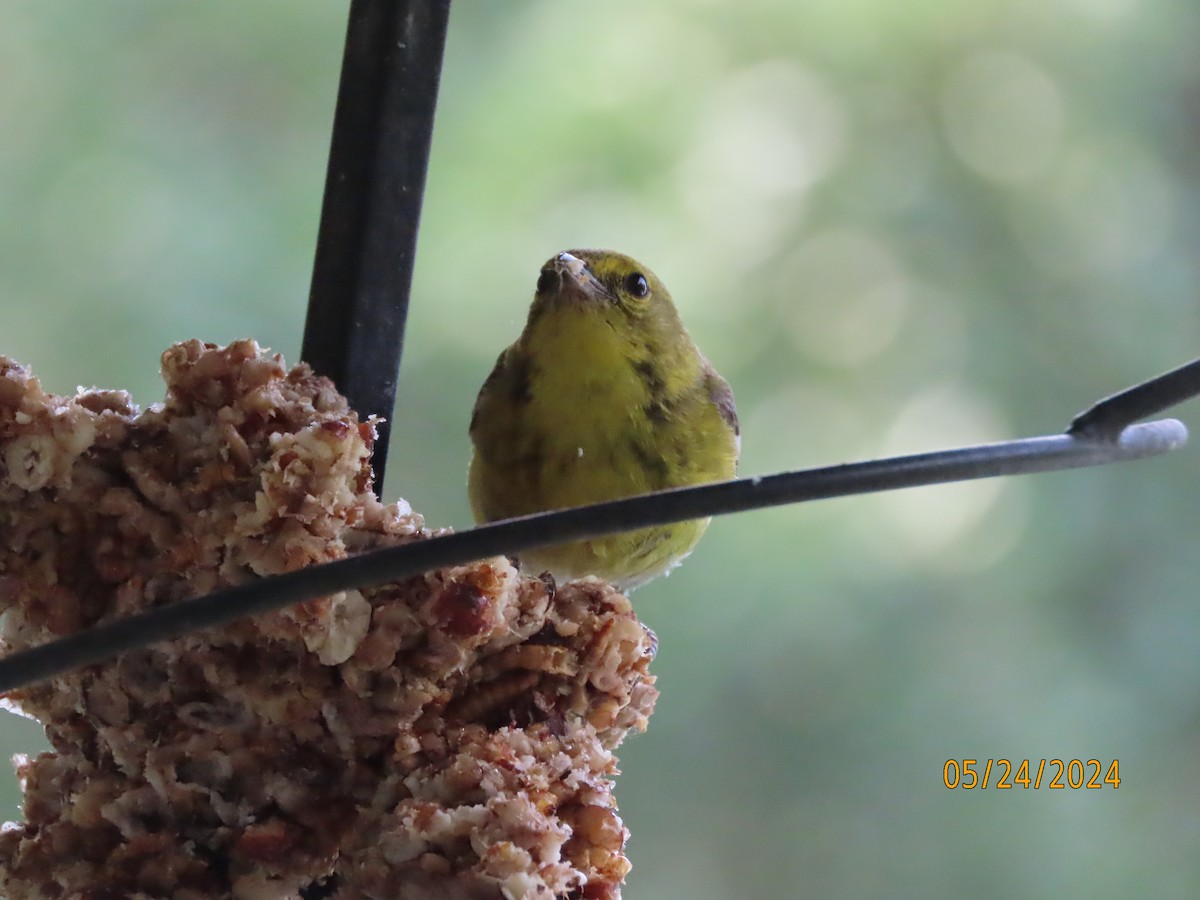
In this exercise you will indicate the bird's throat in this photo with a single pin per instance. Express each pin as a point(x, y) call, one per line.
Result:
point(586, 371)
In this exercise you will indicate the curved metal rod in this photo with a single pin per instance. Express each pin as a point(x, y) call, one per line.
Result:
point(1037, 454)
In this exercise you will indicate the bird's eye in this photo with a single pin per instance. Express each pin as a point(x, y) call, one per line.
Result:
point(636, 284)
point(546, 281)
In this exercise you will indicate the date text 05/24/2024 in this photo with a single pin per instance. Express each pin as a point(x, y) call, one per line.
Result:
point(1054, 774)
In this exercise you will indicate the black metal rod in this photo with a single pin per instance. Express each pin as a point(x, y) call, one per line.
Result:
point(514, 535)
point(378, 156)
point(1106, 418)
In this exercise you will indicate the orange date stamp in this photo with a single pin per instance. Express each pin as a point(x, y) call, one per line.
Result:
point(1053, 774)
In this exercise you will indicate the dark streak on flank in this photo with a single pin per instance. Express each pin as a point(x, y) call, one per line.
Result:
point(656, 412)
point(652, 464)
point(648, 372)
point(518, 369)
point(488, 384)
point(522, 376)
point(527, 464)
point(531, 455)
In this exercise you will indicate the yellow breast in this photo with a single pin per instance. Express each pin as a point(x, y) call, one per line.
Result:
point(581, 410)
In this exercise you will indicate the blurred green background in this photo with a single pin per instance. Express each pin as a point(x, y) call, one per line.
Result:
point(893, 226)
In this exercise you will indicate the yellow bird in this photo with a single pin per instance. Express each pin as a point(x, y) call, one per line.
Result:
point(604, 395)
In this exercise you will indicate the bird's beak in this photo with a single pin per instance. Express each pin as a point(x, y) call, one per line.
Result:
point(575, 279)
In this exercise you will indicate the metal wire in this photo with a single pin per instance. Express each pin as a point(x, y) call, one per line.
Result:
point(1038, 454)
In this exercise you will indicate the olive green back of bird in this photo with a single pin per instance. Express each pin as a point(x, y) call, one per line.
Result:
point(604, 395)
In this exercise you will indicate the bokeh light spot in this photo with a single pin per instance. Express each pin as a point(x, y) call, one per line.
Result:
point(845, 295)
point(1003, 116)
point(1107, 207)
point(765, 136)
point(931, 526)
